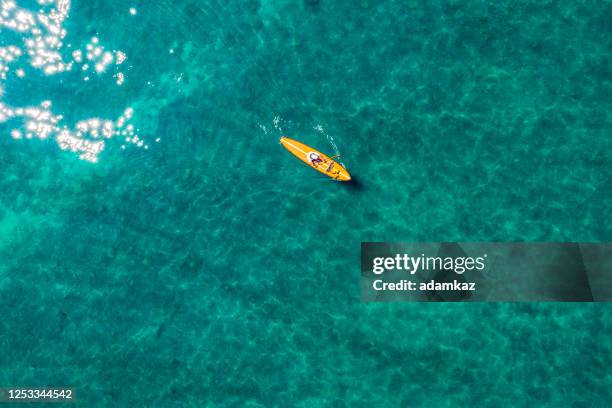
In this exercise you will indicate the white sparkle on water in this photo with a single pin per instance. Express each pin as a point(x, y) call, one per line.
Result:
point(42, 34)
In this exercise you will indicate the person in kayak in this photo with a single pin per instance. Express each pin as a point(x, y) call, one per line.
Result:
point(314, 158)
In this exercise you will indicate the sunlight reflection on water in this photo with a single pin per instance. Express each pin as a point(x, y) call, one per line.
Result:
point(42, 33)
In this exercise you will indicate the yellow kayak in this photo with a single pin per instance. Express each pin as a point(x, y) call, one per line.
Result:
point(316, 159)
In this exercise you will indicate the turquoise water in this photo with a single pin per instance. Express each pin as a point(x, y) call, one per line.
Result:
point(214, 269)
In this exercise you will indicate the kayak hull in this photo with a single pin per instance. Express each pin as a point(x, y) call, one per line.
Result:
point(326, 165)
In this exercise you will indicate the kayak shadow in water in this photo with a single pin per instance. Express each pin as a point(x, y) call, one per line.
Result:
point(355, 184)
